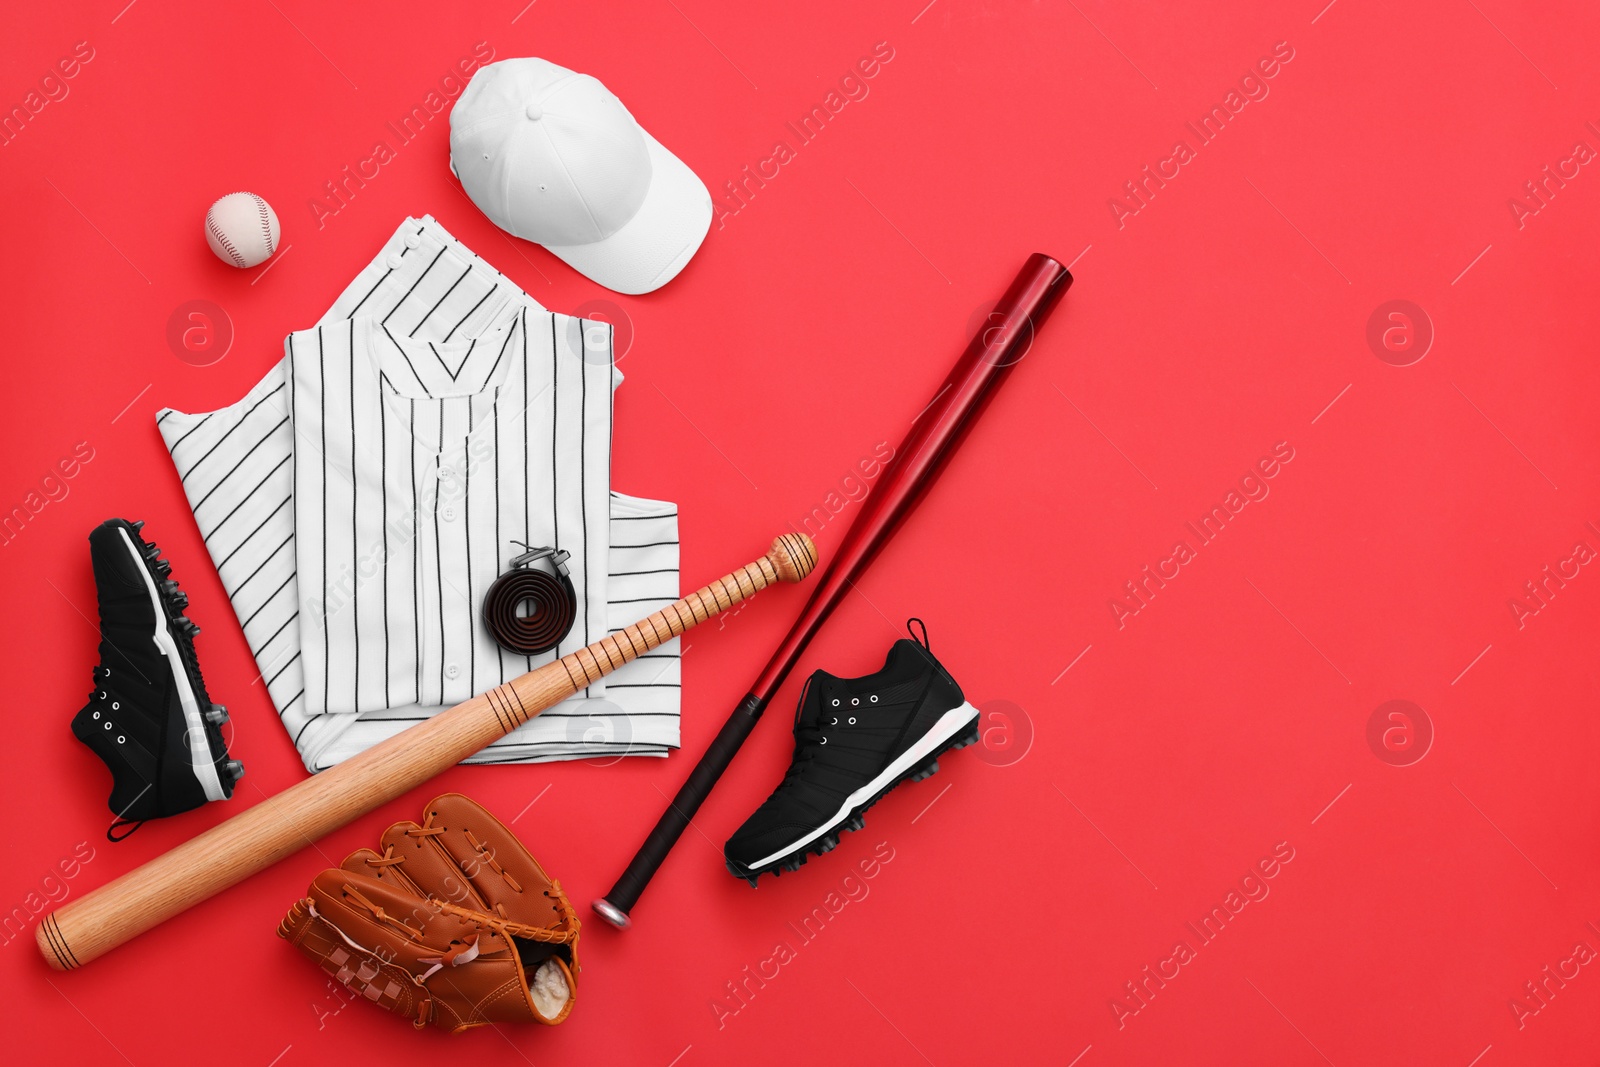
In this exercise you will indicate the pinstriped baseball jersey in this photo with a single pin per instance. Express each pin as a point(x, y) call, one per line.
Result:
point(349, 570)
point(411, 483)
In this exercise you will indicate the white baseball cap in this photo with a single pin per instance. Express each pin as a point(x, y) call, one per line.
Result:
point(553, 157)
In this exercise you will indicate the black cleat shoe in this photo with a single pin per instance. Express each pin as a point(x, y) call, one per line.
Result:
point(855, 739)
point(149, 718)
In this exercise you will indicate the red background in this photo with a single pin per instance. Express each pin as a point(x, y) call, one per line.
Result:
point(1227, 716)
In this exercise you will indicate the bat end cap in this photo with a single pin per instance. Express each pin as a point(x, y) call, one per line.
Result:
point(53, 946)
point(794, 555)
point(611, 913)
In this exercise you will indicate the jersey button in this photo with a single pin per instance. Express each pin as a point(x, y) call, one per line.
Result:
point(412, 240)
point(394, 261)
point(448, 513)
point(451, 670)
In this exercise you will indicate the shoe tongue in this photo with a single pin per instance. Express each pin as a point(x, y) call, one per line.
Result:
point(809, 714)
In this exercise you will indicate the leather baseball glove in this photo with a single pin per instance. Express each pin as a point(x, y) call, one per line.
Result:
point(453, 924)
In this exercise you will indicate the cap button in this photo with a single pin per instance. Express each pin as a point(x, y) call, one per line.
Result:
point(535, 112)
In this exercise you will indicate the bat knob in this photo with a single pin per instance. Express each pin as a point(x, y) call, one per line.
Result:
point(612, 914)
point(793, 555)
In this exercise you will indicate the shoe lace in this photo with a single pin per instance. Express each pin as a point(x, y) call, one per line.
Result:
point(809, 741)
point(100, 692)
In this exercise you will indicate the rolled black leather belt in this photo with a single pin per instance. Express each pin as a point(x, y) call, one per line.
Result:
point(552, 603)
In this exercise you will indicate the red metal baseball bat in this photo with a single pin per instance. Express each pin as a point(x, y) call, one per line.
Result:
point(1003, 340)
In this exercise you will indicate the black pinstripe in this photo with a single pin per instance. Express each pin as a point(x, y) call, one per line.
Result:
point(184, 477)
point(355, 537)
point(441, 300)
point(322, 399)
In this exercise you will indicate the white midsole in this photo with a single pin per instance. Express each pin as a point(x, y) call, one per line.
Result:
point(950, 723)
point(205, 769)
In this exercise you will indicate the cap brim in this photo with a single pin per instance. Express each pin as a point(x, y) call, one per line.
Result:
point(654, 245)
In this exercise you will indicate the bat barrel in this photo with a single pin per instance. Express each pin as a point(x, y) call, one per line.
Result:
point(281, 825)
point(1004, 339)
point(1000, 343)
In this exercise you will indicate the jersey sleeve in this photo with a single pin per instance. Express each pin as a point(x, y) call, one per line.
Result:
point(235, 465)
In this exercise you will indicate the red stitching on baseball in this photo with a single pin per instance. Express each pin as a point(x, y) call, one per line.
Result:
point(216, 231)
point(266, 227)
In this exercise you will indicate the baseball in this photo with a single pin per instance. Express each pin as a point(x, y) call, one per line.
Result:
point(242, 229)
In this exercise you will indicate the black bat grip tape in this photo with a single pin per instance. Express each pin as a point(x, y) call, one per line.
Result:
point(553, 606)
point(625, 894)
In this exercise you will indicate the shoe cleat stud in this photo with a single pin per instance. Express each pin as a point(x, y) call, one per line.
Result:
point(752, 882)
point(163, 568)
point(137, 524)
point(217, 714)
point(233, 769)
point(150, 550)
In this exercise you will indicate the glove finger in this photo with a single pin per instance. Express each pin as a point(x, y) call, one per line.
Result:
point(364, 861)
point(381, 941)
point(389, 867)
point(428, 867)
point(495, 864)
point(385, 918)
point(397, 926)
point(357, 862)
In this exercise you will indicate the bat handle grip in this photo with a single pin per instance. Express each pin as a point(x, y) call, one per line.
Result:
point(615, 905)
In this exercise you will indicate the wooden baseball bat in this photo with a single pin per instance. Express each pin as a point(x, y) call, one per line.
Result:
point(260, 836)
